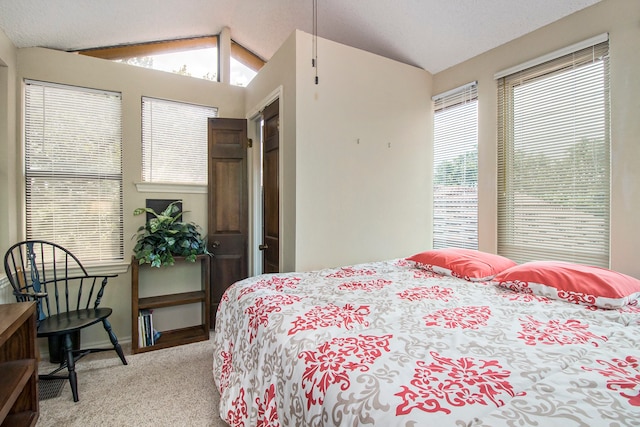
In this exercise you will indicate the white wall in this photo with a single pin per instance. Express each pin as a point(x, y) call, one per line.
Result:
point(280, 72)
point(621, 19)
point(344, 202)
point(363, 150)
point(8, 166)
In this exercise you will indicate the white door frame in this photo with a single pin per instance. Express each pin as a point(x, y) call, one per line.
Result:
point(254, 163)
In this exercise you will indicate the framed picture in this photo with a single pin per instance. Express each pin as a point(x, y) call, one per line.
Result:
point(159, 205)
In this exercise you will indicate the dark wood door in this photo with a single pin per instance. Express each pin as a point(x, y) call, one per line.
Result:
point(227, 205)
point(271, 193)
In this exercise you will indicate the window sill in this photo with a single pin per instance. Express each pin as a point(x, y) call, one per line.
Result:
point(160, 187)
point(118, 267)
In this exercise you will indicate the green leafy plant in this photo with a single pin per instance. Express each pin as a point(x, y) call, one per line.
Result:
point(165, 236)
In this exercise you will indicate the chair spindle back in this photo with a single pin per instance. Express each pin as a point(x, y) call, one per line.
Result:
point(53, 276)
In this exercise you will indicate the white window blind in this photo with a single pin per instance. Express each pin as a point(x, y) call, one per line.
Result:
point(73, 163)
point(455, 161)
point(554, 160)
point(174, 141)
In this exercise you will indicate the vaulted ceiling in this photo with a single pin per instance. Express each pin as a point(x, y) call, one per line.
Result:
point(431, 34)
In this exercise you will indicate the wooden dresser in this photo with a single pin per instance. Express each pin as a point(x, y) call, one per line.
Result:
point(18, 365)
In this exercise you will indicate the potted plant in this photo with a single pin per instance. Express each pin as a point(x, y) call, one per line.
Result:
point(164, 236)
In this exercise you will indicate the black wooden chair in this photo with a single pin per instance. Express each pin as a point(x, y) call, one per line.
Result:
point(67, 299)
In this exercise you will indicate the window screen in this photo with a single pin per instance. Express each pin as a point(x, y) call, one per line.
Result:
point(554, 160)
point(455, 161)
point(174, 141)
point(73, 152)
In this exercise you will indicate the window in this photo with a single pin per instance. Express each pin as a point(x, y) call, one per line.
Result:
point(195, 57)
point(554, 155)
point(455, 169)
point(73, 163)
point(174, 141)
point(199, 63)
point(244, 65)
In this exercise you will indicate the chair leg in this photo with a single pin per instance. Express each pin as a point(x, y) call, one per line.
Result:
point(71, 366)
point(114, 341)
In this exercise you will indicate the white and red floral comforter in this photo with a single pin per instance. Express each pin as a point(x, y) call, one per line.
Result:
point(388, 344)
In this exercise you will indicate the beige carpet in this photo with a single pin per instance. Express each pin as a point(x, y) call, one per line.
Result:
point(170, 387)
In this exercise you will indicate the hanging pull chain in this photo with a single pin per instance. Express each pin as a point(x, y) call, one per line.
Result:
point(314, 48)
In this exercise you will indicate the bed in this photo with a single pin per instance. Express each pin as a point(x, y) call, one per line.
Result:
point(429, 342)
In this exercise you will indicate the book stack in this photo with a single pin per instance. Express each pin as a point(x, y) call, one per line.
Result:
point(147, 335)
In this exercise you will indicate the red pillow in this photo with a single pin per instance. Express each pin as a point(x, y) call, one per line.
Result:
point(576, 283)
point(468, 264)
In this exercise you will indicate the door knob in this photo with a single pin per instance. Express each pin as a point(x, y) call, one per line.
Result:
point(263, 247)
point(215, 244)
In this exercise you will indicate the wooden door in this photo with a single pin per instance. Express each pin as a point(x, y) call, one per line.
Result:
point(271, 190)
point(227, 205)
